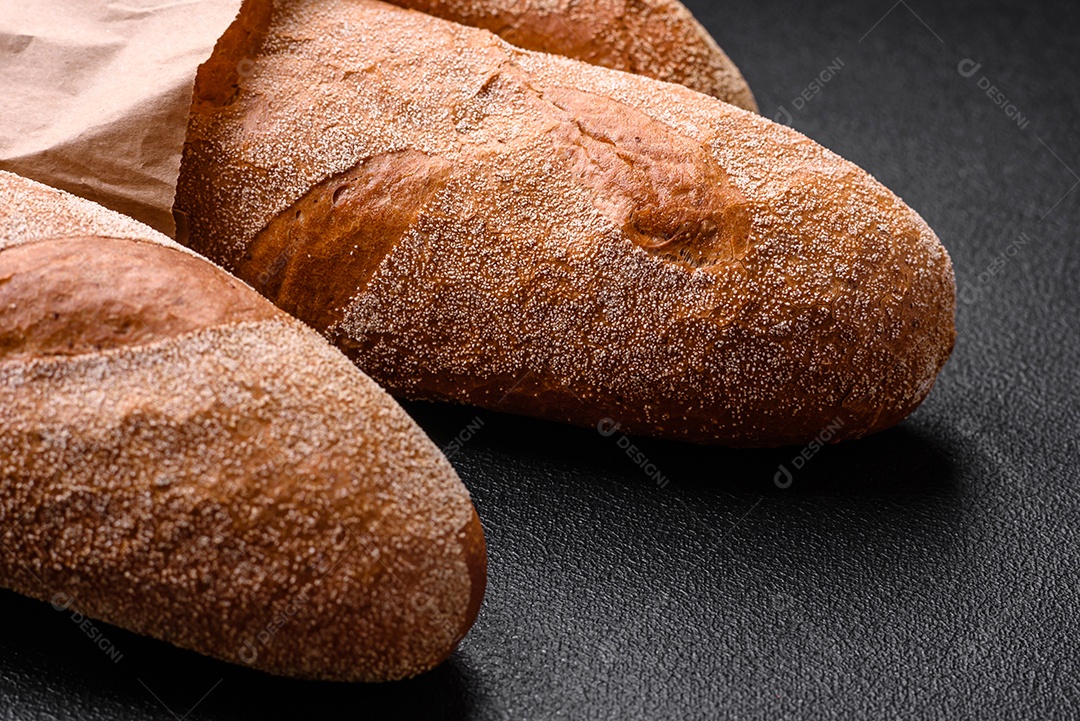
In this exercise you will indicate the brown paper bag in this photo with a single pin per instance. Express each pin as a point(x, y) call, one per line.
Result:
point(94, 95)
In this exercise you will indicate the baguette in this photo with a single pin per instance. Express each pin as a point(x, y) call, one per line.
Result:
point(656, 38)
point(182, 459)
point(477, 223)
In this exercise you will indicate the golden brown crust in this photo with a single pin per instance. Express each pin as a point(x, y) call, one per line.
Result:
point(576, 243)
point(218, 76)
point(221, 479)
point(656, 38)
point(339, 233)
point(60, 297)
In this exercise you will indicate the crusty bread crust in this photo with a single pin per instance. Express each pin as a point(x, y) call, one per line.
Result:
point(524, 232)
point(60, 297)
point(180, 458)
point(656, 38)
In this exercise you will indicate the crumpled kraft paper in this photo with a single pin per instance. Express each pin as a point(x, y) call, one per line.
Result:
point(95, 94)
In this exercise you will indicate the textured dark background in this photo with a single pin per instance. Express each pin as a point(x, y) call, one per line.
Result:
point(932, 571)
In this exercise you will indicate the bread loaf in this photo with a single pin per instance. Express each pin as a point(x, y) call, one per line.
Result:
point(655, 38)
point(181, 459)
point(473, 222)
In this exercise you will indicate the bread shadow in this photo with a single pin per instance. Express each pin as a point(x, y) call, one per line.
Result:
point(54, 664)
point(901, 462)
point(446, 693)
